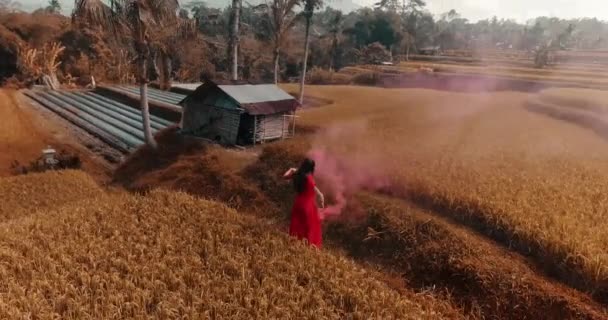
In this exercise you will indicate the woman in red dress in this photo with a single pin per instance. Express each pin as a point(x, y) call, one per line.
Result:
point(305, 219)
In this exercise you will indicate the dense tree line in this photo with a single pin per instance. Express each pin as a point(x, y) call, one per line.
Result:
point(401, 27)
point(271, 36)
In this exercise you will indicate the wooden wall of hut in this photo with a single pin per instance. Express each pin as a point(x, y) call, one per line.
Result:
point(263, 128)
point(195, 117)
point(214, 123)
point(228, 126)
point(271, 127)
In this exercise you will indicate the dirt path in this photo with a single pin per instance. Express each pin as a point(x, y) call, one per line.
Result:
point(25, 132)
point(20, 140)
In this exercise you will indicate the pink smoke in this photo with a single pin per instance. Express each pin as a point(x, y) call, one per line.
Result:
point(344, 174)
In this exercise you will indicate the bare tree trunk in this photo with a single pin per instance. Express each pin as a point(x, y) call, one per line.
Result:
point(119, 74)
point(145, 108)
point(276, 64)
point(154, 60)
point(332, 56)
point(305, 63)
point(235, 62)
point(236, 8)
point(407, 52)
point(166, 74)
point(334, 53)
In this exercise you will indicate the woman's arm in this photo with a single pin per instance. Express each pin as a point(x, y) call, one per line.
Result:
point(289, 173)
point(321, 197)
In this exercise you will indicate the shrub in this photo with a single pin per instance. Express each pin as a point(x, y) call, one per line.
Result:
point(341, 78)
point(375, 53)
point(322, 76)
point(367, 79)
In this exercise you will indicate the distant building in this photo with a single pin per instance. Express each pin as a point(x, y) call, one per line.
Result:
point(429, 51)
point(238, 113)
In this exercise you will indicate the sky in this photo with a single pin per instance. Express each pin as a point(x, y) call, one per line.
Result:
point(520, 10)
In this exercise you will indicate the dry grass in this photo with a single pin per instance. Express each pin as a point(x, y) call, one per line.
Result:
point(592, 100)
point(184, 164)
point(535, 183)
point(120, 256)
point(24, 195)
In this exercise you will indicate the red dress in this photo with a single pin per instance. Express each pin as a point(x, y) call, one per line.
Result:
point(305, 220)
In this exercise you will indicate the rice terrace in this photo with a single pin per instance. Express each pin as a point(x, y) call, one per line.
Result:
point(303, 159)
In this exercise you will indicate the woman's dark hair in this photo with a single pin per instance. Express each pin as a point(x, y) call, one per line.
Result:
point(299, 180)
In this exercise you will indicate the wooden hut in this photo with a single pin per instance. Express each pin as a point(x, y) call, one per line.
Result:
point(238, 113)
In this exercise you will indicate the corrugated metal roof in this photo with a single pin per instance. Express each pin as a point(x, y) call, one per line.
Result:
point(270, 107)
point(255, 99)
point(187, 86)
point(248, 93)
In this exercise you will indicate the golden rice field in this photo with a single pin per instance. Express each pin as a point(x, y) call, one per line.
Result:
point(537, 184)
point(23, 195)
point(587, 99)
point(429, 251)
point(119, 256)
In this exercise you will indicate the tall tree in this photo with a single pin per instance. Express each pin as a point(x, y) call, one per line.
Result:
point(309, 8)
point(335, 28)
point(402, 6)
point(54, 6)
point(138, 22)
point(211, 21)
point(411, 12)
point(384, 28)
point(564, 37)
point(166, 47)
point(359, 33)
point(280, 18)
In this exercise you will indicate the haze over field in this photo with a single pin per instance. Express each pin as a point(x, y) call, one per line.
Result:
point(520, 10)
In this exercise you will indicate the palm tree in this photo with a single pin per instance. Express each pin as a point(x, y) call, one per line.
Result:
point(280, 18)
point(309, 8)
point(138, 22)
